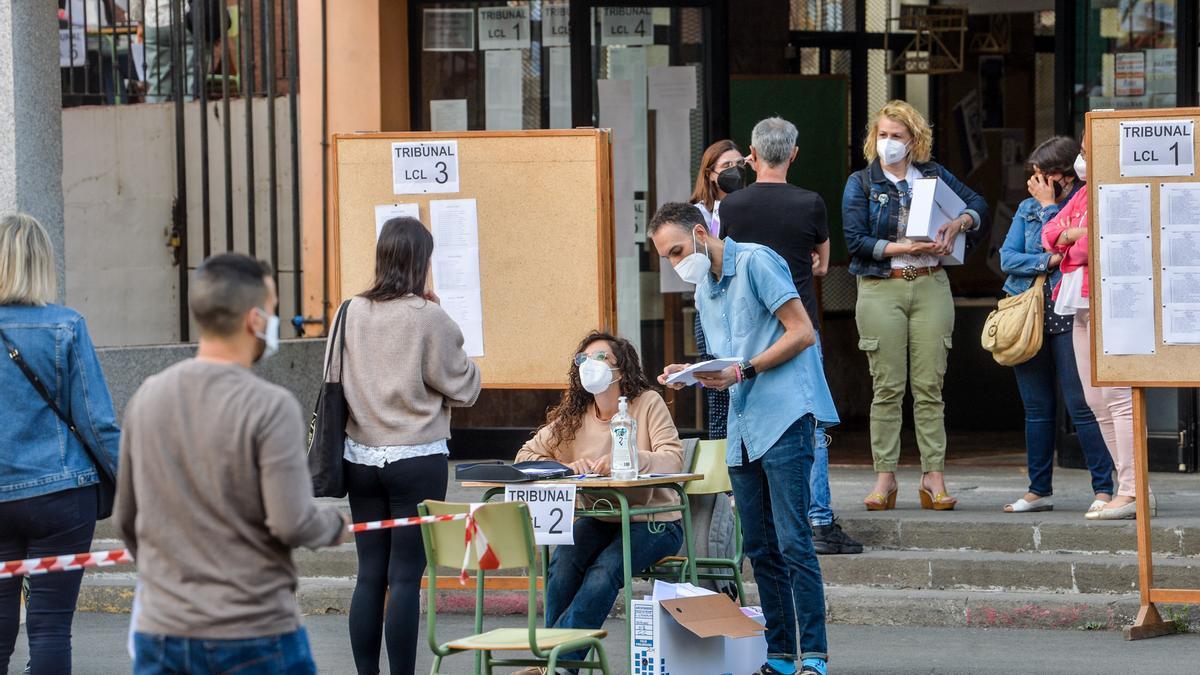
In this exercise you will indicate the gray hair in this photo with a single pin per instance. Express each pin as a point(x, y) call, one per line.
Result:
point(27, 275)
point(774, 138)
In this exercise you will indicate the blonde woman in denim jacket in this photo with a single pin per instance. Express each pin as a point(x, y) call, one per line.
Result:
point(1052, 369)
point(905, 312)
point(48, 481)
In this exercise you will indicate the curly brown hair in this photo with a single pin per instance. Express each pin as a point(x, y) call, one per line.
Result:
point(565, 418)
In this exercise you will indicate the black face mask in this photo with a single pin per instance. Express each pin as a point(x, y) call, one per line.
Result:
point(731, 180)
point(1058, 190)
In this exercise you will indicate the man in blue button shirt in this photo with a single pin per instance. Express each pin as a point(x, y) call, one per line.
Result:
point(750, 310)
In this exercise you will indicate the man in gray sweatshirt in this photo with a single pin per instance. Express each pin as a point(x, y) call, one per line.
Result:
point(214, 493)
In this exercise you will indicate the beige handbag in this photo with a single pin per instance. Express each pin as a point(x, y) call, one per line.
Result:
point(1013, 331)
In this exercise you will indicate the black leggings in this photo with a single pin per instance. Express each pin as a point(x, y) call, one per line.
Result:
point(53, 524)
point(390, 562)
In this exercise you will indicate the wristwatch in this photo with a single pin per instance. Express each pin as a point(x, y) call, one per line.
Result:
point(748, 371)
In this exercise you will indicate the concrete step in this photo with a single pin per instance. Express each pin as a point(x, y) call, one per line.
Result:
point(1055, 531)
point(844, 604)
point(1068, 573)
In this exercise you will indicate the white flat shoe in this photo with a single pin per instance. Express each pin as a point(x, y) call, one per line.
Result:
point(1096, 505)
point(1023, 506)
point(1126, 512)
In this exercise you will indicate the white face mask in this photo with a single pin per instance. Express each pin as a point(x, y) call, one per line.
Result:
point(595, 376)
point(270, 336)
point(693, 268)
point(890, 150)
point(1080, 167)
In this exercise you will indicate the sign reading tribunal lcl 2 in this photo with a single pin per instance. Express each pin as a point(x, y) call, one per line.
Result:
point(424, 166)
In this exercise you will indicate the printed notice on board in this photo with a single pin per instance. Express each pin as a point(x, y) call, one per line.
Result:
point(448, 30)
point(1158, 148)
point(1179, 258)
point(556, 25)
point(424, 166)
point(1127, 267)
point(455, 228)
point(503, 27)
point(626, 26)
point(386, 212)
point(551, 511)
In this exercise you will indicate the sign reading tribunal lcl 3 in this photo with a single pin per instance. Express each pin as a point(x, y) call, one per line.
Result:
point(424, 166)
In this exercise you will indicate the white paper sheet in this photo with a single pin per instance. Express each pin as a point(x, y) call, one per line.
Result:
point(639, 222)
point(1128, 310)
point(673, 87)
point(385, 212)
point(629, 299)
point(503, 93)
point(448, 115)
point(1181, 248)
point(556, 25)
point(560, 87)
point(1124, 209)
point(448, 30)
point(672, 155)
point(1181, 288)
point(1179, 257)
point(616, 113)
point(629, 63)
point(1181, 325)
point(504, 27)
point(626, 26)
point(1126, 256)
point(455, 227)
point(1179, 205)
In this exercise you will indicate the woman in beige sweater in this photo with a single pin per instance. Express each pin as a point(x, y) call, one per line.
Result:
point(585, 578)
point(405, 368)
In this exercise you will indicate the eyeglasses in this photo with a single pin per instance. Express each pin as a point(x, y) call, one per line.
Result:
point(729, 164)
point(598, 356)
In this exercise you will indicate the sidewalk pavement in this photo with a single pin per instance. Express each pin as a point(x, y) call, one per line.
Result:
point(99, 647)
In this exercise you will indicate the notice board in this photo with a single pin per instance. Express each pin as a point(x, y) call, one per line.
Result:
point(543, 202)
point(1137, 156)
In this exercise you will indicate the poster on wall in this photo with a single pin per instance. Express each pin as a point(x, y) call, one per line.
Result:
point(1129, 74)
point(556, 25)
point(626, 26)
point(448, 30)
point(503, 27)
point(969, 118)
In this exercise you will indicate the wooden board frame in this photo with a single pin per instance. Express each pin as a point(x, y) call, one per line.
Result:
point(1169, 366)
point(605, 315)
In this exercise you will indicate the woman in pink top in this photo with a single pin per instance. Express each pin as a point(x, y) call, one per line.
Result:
point(1067, 235)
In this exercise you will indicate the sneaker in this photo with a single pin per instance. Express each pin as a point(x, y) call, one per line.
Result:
point(831, 540)
point(808, 669)
point(767, 670)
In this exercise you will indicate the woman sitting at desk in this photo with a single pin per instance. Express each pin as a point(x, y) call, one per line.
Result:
point(585, 578)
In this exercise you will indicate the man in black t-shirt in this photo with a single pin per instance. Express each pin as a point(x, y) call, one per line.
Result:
point(790, 221)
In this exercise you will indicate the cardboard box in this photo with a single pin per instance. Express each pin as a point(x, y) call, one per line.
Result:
point(933, 205)
point(694, 631)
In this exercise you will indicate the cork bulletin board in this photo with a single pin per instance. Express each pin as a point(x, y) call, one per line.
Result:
point(544, 209)
point(1170, 365)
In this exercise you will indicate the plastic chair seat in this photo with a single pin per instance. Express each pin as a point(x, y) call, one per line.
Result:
point(517, 639)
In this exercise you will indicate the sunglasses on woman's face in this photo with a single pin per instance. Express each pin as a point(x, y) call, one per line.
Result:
point(598, 356)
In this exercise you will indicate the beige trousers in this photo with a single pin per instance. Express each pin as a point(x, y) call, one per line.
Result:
point(1113, 407)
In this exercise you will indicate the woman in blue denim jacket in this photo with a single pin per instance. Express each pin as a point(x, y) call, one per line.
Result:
point(1053, 368)
point(48, 481)
point(905, 312)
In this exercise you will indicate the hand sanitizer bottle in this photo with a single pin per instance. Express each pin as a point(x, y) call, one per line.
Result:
point(624, 443)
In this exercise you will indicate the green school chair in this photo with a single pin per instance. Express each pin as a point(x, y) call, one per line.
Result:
point(708, 459)
point(509, 532)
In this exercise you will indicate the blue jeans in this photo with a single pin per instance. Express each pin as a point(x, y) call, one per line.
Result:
point(772, 499)
point(286, 654)
point(585, 578)
point(1039, 380)
point(57, 523)
point(820, 512)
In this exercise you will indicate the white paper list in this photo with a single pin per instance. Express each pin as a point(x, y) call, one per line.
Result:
point(503, 94)
point(1179, 259)
point(629, 63)
point(385, 212)
point(560, 87)
point(455, 227)
point(448, 115)
point(1126, 267)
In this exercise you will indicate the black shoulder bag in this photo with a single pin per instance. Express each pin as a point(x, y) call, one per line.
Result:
point(107, 492)
point(327, 430)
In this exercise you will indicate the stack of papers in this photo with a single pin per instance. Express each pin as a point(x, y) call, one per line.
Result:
point(687, 376)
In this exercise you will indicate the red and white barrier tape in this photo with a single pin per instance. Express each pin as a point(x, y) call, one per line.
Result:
point(81, 561)
point(64, 563)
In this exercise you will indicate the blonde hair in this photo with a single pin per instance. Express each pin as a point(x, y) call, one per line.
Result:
point(921, 149)
point(27, 275)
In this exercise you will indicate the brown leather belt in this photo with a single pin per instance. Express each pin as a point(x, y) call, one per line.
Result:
point(911, 273)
